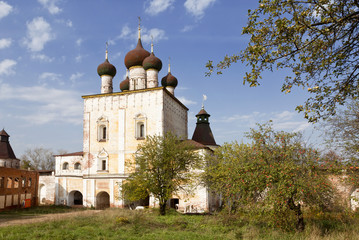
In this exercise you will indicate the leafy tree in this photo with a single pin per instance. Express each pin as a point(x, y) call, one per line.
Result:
point(317, 39)
point(275, 174)
point(38, 158)
point(342, 131)
point(163, 166)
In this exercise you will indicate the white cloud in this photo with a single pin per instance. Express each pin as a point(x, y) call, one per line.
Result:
point(41, 57)
point(187, 28)
point(5, 43)
point(125, 32)
point(38, 34)
point(157, 34)
point(128, 34)
point(79, 42)
point(45, 105)
point(78, 58)
point(50, 5)
point(155, 7)
point(285, 115)
point(115, 56)
point(76, 76)
point(285, 120)
point(294, 126)
point(49, 76)
point(7, 67)
point(5, 9)
point(69, 23)
point(197, 7)
point(186, 101)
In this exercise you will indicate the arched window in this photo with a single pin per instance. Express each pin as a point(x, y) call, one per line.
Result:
point(65, 166)
point(102, 129)
point(140, 126)
point(77, 166)
point(23, 183)
point(16, 182)
point(9, 182)
point(140, 130)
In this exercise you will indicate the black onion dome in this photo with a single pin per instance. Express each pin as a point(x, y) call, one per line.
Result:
point(136, 56)
point(125, 84)
point(106, 68)
point(152, 62)
point(169, 81)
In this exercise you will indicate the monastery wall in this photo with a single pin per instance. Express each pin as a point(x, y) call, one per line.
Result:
point(175, 117)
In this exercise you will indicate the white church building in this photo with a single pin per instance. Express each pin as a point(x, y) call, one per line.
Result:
point(115, 123)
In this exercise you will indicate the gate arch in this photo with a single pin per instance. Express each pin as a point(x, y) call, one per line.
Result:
point(102, 200)
point(75, 198)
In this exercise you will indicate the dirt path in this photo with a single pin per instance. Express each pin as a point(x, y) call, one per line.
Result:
point(45, 217)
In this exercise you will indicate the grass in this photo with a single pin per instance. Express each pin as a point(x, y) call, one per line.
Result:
point(126, 224)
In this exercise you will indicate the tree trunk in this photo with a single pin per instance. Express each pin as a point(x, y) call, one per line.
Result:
point(298, 212)
point(163, 209)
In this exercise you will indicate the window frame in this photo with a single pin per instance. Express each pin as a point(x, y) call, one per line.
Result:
point(140, 126)
point(65, 166)
point(102, 129)
point(77, 166)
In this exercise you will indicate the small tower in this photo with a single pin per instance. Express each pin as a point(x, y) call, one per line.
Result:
point(152, 65)
point(203, 133)
point(169, 81)
point(125, 84)
point(7, 156)
point(133, 62)
point(106, 71)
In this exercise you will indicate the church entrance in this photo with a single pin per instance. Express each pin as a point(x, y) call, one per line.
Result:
point(75, 198)
point(102, 200)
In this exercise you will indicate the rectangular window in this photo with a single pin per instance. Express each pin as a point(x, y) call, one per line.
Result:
point(29, 183)
point(104, 133)
point(103, 164)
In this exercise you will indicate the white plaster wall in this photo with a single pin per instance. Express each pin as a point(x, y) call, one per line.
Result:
point(175, 117)
point(152, 78)
point(49, 191)
point(137, 76)
point(106, 84)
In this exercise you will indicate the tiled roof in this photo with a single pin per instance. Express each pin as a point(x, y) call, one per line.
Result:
point(3, 133)
point(203, 134)
point(6, 151)
point(195, 144)
point(70, 154)
point(202, 112)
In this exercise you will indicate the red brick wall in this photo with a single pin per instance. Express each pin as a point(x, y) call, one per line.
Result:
point(16, 186)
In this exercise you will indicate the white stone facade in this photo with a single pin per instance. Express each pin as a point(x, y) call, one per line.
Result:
point(114, 124)
point(111, 129)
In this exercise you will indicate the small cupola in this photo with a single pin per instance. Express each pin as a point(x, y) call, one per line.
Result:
point(106, 68)
point(203, 133)
point(106, 71)
point(152, 61)
point(136, 56)
point(125, 84)
point(202, 116)
point(4, 137)
point(169, 81)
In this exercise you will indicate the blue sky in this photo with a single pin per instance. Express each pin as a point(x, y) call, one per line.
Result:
point(50, 50)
